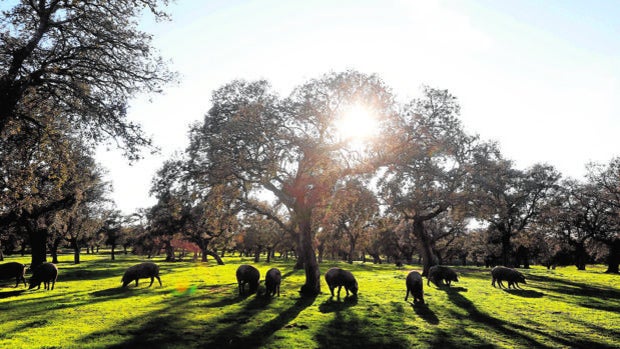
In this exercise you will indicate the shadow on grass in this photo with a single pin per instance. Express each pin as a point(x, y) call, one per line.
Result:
point(423, 311)
point(262, 334)
point(492, 323)
point(330, 306)
point(171, 327)
point(113, 293)
point(525, 293)
point(573, 288)
point(599, 298)
point(288, 273)
point(349, 330)
point(224, 302)
point(9, 294)
point(11, 284)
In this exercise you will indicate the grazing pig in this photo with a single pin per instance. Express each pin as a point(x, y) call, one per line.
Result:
point(247, 274)
point(13, 270)
point(141, 271)
point(439, 273)
point(272, 281)
point(45, 273)
point(513, 277)
point(415, 287)
point(336, 277)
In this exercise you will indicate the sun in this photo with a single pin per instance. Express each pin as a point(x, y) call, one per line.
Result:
point(357, 123)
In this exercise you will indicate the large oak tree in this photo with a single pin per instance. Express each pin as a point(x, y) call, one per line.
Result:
point(68, 70)
point(289, 147)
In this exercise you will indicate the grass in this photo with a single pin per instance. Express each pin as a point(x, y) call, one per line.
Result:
point(198, 307)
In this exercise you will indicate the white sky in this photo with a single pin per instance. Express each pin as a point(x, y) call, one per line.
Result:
point(540, 77)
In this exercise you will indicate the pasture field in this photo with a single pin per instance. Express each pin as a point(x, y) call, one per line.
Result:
point(199, 307)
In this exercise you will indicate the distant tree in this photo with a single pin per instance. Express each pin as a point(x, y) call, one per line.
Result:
point(80, 220)
point(447, 233)
point(382, 239)
point(169, 217)
point(508, 199)
point(606, 178)
point(112, 229)
point(213, 218)
point(351, 212)
point(429, 164)
point(261, 234)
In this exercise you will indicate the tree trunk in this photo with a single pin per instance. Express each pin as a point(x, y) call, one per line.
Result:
point(169, 251)
point(581, 256)
point(217, 257)
point(38, 246)
point(522, 257)
point(112, 252)
point(299, 264)
point(312, 287)
point(269, 254)
point(1, 254)
point(257, 255)
point(506, 249)
point(204, 248)
point(352, 242)
point(54, 250)
point(376, 258)
point(76, 251)
point(613, 260)
point(426, 250)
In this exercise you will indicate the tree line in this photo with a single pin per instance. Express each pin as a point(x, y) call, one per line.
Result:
point(421, 187)
point(265, 173)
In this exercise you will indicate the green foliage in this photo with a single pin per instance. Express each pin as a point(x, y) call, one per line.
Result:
point(88, 309)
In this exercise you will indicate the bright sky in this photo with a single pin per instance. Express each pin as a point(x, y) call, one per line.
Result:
point(540, 77)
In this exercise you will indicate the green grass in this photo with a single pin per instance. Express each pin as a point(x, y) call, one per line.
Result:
point(561, 308)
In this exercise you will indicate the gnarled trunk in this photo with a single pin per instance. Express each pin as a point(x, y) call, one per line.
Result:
point(426, 248)
point(613, 260)
point(312, 287)
point(217, 257)
point(38, 246)
point(352, 242)
point(581, 256)
point(257, 251)
point(506, 248)
point(76, 251)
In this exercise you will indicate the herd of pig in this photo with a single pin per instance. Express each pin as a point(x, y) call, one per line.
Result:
point(47, 273)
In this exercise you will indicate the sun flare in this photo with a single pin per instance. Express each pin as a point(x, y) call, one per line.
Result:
point(357, 123)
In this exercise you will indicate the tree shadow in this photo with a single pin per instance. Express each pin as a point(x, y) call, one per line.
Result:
point(12, 284)
point(424, 312)
point(587, 296)
point(524, 293)
point(492, 323)
point(223, 302)
point(288, 273)
point(262, 334)
point(113, 293)
point(348, 330)
point(81, 274)
point(171, 327)
point(330, 306)
point(9, 294)
point(573, 288)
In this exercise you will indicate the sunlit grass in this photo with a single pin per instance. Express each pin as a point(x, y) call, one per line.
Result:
point(88, 309)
